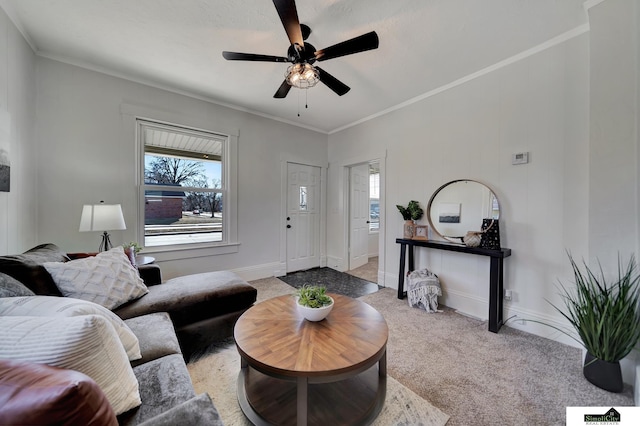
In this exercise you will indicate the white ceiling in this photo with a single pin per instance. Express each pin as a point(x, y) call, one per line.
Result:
point(177, 44)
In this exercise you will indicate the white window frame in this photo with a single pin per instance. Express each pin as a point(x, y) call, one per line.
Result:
point(230, 243)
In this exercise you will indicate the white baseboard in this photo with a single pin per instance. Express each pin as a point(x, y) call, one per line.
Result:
point(636, 387)
point(390, 280)
point(336, 263)
point(266, 270)
point(478, 307)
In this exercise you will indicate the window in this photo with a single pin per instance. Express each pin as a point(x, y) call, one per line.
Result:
point(374, 197)
point(184, 187)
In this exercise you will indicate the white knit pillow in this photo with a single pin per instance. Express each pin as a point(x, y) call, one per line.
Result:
point(107, 279)
point(52, 306)
point(87, 344)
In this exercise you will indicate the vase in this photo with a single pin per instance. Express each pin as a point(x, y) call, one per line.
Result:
point(408, 229)
point(472, 239)
point(605, 375)
point(315, 314)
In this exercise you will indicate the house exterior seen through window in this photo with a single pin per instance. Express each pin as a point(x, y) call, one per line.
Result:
point(184, 187)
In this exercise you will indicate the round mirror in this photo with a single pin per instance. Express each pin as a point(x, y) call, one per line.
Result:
point(459, 206)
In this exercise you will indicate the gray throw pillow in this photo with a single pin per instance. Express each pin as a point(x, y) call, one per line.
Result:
point(10, 287)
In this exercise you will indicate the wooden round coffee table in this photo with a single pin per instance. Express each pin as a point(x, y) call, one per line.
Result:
point(294, 371)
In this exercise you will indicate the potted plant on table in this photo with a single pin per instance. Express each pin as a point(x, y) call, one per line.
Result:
point(606, 317)
point(313, 302)
point(410, 214)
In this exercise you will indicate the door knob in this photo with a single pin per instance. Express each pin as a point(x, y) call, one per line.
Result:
point(288, 218)
point(288, 226)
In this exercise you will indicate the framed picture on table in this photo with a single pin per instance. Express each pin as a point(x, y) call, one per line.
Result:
point(421, 232)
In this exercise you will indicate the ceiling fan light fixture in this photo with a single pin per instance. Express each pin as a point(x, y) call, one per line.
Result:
point(302, 75)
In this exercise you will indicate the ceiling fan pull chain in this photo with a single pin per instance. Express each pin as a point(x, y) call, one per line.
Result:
point(306, 97)
point(298, 104)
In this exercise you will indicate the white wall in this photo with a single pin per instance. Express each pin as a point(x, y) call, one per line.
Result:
point(613, 168)
point(17, 123)
point(86, 153)
point(538, 104)
point(574, 106)
point(614, 141)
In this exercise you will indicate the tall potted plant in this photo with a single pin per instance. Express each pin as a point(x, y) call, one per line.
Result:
point(606, 316)
point(410, 214)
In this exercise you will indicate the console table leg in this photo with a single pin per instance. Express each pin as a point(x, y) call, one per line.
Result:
point(403, 250)
point(496, 288)
point(303, 385)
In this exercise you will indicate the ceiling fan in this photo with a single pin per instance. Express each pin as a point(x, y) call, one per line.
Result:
point(302, 73)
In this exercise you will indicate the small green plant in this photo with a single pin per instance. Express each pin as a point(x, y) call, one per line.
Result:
point(313, 296)
point(412, 211)
point(134, 246)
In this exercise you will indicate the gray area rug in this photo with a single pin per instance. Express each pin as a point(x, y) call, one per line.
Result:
point(216, 372)
point(453, 362)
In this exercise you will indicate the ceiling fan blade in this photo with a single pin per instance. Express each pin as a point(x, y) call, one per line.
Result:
point(361, 43)
point(289, 17)
point(283, 90)
point(332, 83)
point(236, 56)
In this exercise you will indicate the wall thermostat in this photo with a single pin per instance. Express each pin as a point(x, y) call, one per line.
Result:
point(520, 158)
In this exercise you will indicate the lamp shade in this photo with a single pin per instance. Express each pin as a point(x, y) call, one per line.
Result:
point(102, 217)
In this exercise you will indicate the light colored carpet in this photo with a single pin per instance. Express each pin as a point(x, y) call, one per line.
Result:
point(216, 372)
point(484, 378)
point(474, 376)
point(369, 271)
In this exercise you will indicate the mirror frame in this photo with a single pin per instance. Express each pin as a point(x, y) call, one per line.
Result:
point(437, 191)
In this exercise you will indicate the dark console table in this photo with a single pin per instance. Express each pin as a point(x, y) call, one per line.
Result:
point(496, 274)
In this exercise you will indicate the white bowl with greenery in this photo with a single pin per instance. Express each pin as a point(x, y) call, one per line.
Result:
point(313, 303)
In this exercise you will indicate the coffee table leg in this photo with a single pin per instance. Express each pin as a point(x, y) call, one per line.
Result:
point(303, 383)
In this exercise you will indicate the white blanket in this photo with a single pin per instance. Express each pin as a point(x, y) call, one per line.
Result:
point(423, 289)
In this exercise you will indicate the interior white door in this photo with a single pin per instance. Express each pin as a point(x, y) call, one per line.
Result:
point(358, 215)
point(303, 217)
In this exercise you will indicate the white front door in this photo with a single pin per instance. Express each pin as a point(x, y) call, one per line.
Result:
point(303, 217)
point(358, 215)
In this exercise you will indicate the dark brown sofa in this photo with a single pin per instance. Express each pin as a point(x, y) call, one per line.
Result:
point(203, 307)
point(171, 321)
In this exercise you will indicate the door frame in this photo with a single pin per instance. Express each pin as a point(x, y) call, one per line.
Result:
point(285, 159)
point(343, 168)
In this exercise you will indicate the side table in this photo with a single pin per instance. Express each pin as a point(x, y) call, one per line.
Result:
point(145, 260)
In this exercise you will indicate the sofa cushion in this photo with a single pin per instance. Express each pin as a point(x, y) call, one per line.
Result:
point(157, 336)
point(193, 298)
point(198, 411)
point(164, 383)
point(87, 343)
point(107, 279)
point(27, 268)
point(53, 306)
point(10, 287)
point(38, 394)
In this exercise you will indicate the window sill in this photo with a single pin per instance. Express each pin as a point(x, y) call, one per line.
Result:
point(178, 252)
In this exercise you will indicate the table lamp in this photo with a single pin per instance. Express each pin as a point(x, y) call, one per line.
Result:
point(102, 217)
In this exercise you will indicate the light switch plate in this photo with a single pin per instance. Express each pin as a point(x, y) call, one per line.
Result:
point(520, 158)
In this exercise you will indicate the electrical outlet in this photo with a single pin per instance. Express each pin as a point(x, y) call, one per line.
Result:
point(507, 295)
